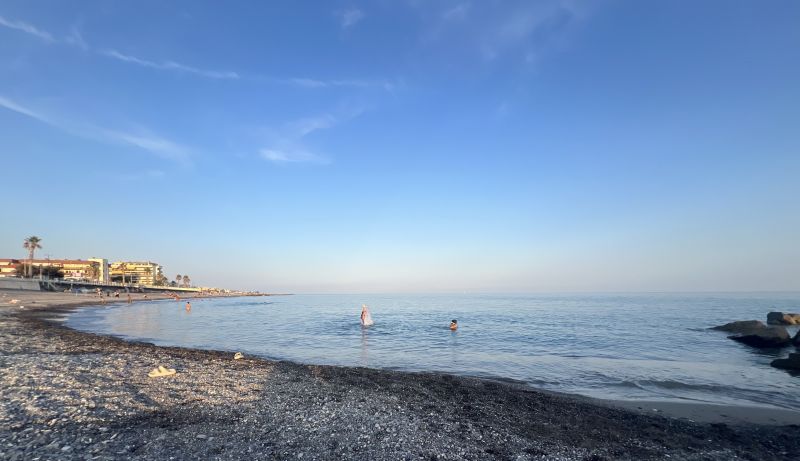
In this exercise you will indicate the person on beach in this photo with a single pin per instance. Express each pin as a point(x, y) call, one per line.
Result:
point(188, 306)
point(454, 325)
point(366, 318)
point(129, 298)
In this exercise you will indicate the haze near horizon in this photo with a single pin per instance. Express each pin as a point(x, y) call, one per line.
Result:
point(507, 146)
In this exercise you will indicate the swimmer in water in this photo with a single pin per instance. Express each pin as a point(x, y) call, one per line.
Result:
point(188, 306)
point(366, 318)
point(454, 324)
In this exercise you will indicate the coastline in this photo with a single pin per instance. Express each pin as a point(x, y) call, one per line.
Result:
point(68, 393)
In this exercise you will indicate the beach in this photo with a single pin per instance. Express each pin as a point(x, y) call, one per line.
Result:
point(71, 395)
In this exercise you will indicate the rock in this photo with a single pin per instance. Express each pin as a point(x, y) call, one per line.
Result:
point(742, 327)
point(790, 363)
point(780, 318)
point(774, 336)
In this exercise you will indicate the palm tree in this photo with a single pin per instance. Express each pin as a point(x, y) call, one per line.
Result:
point(123, 267)
point(31, 244)
point(186, 280)
point(178, 279)
point(92, 271)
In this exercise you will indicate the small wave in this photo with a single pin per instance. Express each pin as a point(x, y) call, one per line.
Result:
point(251, 303)
point(650, 384)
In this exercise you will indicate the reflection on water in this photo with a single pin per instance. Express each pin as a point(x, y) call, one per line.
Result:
point(614, 346)
point(364, 348)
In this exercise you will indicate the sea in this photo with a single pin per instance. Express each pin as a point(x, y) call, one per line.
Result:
point(611, 346)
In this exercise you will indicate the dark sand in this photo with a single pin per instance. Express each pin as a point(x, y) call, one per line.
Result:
point(72, 395)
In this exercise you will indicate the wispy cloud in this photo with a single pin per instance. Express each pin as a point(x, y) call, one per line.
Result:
point(13, 106)
point(292, 155)
point(306, 126)
point(142, 139)
point(144, 175)
point(287, 145)
point(149, 142)
point(27, 28)
point(315, 83)
point(75, 38)
point(531, 27)
point(350, 17)
point(168, 65)
point(457, 13)
point(522, 29)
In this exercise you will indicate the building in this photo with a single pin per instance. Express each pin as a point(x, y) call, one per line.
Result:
point(73, 269)
point(103, 276)
point(137, 272)
point(8, 267)
point(92, 269)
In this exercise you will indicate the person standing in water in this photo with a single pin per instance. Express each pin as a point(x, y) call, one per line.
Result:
point(454, 324)
point(366, 318)
point(188, 306)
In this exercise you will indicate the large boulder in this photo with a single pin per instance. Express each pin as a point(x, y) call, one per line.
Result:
point(790, 363)
point(774, 336)
point(780, 318)
point(742, 327)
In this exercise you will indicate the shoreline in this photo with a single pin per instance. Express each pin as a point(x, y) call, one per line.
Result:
point(691, 411)
point(257, 407)
point(695, 411)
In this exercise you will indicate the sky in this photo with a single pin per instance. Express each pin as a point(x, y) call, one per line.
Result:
point(409, 146)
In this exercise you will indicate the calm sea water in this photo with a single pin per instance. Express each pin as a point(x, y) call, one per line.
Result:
point(652, 347)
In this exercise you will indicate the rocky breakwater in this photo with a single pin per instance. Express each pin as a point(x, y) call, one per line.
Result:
point(756, 334)
point(780, 318)
point(790, 363)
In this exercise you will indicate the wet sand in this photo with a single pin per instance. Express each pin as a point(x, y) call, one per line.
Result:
point(71, 395)
point(710, 413)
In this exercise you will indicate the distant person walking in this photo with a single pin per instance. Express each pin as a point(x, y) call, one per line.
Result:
point(129, 298)
point(366, 318)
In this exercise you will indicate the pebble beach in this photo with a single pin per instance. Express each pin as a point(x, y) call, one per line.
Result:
point(66, 394)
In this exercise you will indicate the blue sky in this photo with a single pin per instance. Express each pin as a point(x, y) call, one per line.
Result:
point(417, 146)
